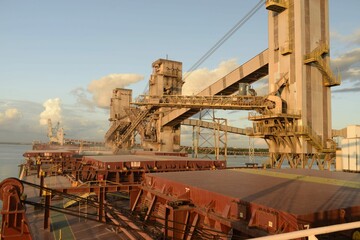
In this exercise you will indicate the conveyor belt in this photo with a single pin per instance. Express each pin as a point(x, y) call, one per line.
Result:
point(210, 125)
point(251, 71)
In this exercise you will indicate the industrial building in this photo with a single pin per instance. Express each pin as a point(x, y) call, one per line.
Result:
point(172, 196)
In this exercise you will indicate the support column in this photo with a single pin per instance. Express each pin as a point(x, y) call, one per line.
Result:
point(101, 212)
point(47, 210)
point(42, 179)
point(298, 30)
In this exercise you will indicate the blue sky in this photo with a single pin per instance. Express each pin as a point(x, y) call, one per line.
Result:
point(60, 58)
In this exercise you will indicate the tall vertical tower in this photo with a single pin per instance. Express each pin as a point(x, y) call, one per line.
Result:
point(299, 74)
point(119, 103)
point(119, 118)
point(166, 79)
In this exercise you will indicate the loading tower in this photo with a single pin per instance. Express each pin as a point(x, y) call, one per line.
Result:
point(294, 118)
point(299, 73)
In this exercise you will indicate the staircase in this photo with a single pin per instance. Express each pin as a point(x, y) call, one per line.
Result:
point(133, 113)
point(112, 130)
point(315, 140)
point(134, 123)
point(316, 58)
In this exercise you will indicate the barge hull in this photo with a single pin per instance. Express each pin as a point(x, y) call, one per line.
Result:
point(249, 202)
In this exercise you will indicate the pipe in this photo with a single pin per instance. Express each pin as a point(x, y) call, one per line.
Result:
point(312, 232)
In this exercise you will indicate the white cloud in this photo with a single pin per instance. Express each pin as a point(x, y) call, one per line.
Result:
point(352, 39)
point(19, 121)
point(346, 60)
point(202, 78)
point(262, 86)
point(102, 88)
point(77, 123)
point(52, 111)
point(348, 65)
point(10, 115)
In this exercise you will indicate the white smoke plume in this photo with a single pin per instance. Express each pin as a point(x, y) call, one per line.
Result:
point(10, 115)
point(202, 78)
point(102, 88)
point(52, 111)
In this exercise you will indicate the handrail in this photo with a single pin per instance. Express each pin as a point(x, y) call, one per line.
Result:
point(217, 102)
point(290, 112)
point(88, 183)
point(315, 56)
point(312, 231)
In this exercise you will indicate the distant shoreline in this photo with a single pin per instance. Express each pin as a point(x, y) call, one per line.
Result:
point(15, 143)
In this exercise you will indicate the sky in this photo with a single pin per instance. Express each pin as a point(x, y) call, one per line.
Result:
point(61, 59)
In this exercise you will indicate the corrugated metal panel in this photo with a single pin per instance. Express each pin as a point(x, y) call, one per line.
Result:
point(253, 201)
point(297, 191)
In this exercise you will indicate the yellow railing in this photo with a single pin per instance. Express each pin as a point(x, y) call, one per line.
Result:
point(289, 113)
point(315, 57)
point(322, 48)
point(306, 131)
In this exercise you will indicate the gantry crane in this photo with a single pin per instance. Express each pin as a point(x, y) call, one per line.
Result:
point(56, 134)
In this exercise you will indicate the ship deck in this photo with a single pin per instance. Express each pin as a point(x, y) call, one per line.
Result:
point(254, 202)
point(62, 226)
point(308, 195)
point(241, 198)
point(296, 191)
point(151, 162)
point(142, 158)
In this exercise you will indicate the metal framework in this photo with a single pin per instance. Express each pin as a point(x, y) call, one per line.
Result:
point(316, 57)
point(294, 119)
point(213, 137)
point(14, 221)
point(284, 130)
point(270, 123)
point(207, 102)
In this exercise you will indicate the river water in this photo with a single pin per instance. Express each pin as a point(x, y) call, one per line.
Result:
point(11, 155)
